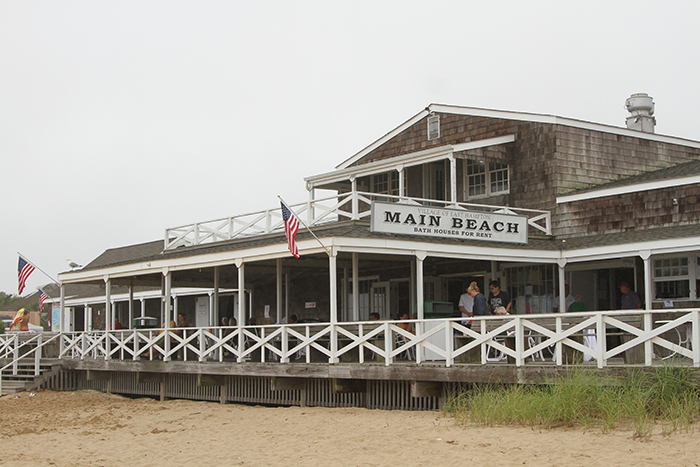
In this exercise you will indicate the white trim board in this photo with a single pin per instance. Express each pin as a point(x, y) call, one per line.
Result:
point(656, 185)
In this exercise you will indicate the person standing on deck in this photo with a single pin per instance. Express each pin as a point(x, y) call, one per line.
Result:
point(480, 307)
point(466, 305)
point(497, 297)
point(630, 299)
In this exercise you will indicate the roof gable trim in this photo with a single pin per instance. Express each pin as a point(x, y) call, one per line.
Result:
point(657, 185)
point(522, 116)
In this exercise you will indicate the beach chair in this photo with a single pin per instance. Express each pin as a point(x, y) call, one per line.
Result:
point(408, 354)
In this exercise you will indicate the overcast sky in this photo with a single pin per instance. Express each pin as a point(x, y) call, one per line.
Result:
point(119, 119)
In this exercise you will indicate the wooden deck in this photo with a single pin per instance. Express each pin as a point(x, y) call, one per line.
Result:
point(367, 364)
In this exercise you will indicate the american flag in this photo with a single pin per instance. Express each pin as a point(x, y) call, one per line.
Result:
point(24, 270)
point(291, 227)
point(42, 299)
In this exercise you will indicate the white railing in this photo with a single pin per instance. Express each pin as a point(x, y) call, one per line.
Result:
point(643, 338)
point(351, 205)
point(19, 346)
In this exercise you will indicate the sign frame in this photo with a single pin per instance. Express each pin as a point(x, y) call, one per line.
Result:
point(441, 222)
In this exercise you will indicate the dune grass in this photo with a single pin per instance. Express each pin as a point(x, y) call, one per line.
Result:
point(639, 401)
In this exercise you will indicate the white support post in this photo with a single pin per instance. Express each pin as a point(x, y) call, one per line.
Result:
point(131, 306)
point(344, 296)
point(449, 343)
point(412, 290)
point(62, 309)
point(143, 307)
point(241, 307)
point(355, 287)
point(420, 257)
point(402, 181)
point(211, 309)
point(453, 179)
point(60, 317)
point(310, 207)
point(695, 337)
point(558, 357)
point(175, 308)
point(278, 275)
point(519, 341)
point(602, 339)
point(562, 285)
point(108, 316)
point(86, 322)
point(648, 344)
point(648, 280)
point(217, 319)
point(355, 200)
point(333, 276)
point(168, 313)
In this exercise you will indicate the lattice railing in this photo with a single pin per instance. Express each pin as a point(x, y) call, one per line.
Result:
point(344, 206)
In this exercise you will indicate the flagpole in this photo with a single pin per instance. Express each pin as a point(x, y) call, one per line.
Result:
point(304, 224)
point(37, 267)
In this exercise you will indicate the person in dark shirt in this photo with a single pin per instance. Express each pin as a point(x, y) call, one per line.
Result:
point(497, 297)
point(630, 299)
point(480, 307)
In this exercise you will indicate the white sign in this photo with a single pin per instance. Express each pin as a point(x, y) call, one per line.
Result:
point(429, 221)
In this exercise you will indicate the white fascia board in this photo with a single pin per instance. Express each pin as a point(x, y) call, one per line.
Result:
point(656, 185)
point(407, 247)
point(658, 247)
point(226, 258)
point(407, 124)
point(554, 120)
point(145, 295)
point(482, 143)
point(405, 160)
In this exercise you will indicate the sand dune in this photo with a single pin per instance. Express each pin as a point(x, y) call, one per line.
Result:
point(91, 428)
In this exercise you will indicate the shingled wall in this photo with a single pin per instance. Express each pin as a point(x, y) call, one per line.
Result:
point(546, 160)
point(631, 211)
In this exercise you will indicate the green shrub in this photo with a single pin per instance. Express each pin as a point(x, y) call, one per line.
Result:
point(667, 395)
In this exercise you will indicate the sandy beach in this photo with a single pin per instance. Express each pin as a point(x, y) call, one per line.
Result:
point(92, 428)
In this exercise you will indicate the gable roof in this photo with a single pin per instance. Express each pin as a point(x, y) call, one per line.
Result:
point(508, 115)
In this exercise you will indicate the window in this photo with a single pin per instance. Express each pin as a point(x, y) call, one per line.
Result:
point(433, 127)
point(364, 297)
point(387, 183)
point(486, 179)
point(532, 288)
point(672, 278)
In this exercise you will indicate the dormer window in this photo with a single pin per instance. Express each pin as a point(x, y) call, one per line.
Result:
point(485, 179)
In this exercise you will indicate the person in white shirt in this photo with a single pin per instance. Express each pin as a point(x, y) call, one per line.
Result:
point(466, 305)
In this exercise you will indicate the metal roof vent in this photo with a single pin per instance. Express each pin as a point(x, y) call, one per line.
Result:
point(433, 127)
point(641, 106)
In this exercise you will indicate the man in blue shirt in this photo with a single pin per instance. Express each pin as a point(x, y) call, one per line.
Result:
point(630, 299)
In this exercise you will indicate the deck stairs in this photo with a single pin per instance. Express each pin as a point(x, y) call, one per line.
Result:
point(25, 379)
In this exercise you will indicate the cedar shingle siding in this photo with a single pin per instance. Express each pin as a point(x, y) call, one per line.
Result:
point(549, 159)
